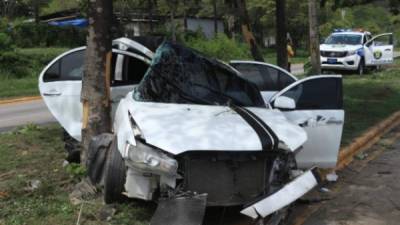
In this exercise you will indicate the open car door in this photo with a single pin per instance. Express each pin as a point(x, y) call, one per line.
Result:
point(379, 50)
point(269, 78)
point(315, 103)
point(60, 84)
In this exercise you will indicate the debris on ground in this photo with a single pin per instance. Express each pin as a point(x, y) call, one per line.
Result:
point(324, 190)
point(361, 156)
point(33, 185)
point(3, 194)
point(332, 177)
point(83, 190)
point(106, 213)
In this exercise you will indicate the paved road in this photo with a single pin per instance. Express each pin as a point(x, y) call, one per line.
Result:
point(21, 113)
point(297, 69)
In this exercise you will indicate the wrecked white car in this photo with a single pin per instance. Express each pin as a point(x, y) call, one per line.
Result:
point(195, 132)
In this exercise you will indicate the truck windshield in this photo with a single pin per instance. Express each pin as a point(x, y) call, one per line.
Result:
point(345, 39)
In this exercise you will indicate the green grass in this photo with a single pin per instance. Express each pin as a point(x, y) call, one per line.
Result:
point(19, 72)
point(36, 153)
point(369, 99)
point(13, 87)
point(301, 56)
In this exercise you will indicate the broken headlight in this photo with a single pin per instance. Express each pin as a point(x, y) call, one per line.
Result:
point(149, 159)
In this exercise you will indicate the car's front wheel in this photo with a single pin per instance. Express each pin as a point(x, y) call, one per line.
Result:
point(114, 176)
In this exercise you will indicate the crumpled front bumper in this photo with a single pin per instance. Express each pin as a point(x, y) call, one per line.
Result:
point(284, 197)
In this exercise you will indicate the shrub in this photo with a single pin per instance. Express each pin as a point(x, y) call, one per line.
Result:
point(21, 63)
point(5, 39)
point(27, 35)
point(220, 47)
point(5, 42)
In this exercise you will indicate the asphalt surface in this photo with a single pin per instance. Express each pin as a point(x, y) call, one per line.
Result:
point(21, 113)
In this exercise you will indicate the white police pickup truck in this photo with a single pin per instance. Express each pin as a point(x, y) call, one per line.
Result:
point(356, 50)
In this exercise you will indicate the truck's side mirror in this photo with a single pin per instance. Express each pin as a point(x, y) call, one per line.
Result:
point(283, 102)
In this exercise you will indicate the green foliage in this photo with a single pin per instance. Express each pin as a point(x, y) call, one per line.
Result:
point(5, 42)
point(59, 5)
point(27, 35)
point(371, 17)
point(5, 39)
point(76, 170)
point(21, 63)
point(220, 47)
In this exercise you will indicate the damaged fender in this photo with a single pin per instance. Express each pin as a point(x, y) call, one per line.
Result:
point(284, 197)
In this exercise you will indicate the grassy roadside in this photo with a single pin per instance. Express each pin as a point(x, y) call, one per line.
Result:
point(20, 68)
point(13, 87)
point(369, 99)
point(33, 154)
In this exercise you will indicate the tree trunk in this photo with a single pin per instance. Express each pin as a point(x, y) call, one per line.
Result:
point(150, 8)
point(36, 11)
point(95, 95)
point(247, 34)
point(185, 23)
point(215, 18)
point(314, 37)
point(281, 42)
point(172, 18)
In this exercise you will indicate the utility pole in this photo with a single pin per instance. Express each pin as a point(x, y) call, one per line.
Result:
point(281, 42)
point(95, 95)
point(314, 37)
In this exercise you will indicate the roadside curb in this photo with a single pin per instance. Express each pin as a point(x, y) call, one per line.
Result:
point(23, 99)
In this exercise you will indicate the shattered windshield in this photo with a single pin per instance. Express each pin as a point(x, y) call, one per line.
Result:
point(181, 75)
point(345, 39)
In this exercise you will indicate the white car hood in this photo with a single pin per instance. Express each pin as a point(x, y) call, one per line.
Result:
point(338, 48)
point(177, 128)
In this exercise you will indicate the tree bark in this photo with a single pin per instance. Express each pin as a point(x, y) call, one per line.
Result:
point(185, 22)
point(314, 37)
point(281, 42)
point(215, 18)
point(36, 11)
point(95, 95)
point(246, 30)
point(150, 8)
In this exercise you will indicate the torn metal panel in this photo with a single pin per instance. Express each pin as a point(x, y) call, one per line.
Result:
point(285, 196)
point(140, 185)
point(180, 211)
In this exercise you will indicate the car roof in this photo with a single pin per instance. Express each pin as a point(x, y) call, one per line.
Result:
point(349, 32)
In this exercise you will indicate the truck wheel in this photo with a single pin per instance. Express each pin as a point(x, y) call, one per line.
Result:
point(72, 147)
point(114, 176)
point(361, 67)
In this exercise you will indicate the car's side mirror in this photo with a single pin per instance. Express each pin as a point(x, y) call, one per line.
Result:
point(283, 102)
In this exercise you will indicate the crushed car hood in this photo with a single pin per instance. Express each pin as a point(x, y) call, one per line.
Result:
point(178, 128)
